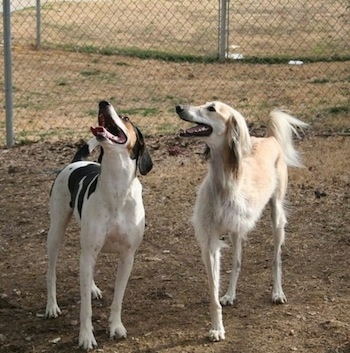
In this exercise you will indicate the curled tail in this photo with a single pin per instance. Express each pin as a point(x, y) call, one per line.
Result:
point(86, 149)
point(282, 126)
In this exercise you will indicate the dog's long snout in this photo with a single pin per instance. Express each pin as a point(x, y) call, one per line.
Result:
point(179, 109)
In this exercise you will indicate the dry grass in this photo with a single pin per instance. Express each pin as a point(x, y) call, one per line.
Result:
point(64, 106)
point(267, 28)
point(56, 91)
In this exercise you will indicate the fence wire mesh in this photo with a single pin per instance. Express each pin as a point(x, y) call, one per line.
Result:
point(148, 55)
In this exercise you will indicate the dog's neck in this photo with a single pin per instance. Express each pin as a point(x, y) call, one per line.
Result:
point(118, 171)
point(224, 168)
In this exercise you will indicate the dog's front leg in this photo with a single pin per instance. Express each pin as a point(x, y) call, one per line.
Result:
point(87, 265)
point(211, 259)
point(125, 265)
point(230, 296)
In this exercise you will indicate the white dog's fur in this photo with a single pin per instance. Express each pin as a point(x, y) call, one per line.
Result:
point(106, 200)
point(245, 174)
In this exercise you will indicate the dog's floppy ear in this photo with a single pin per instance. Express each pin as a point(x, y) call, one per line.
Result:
point(206, 153)
point(233, 142)
point(141, 154)
point(238, 139)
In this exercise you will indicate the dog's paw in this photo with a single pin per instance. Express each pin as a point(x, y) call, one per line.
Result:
point(117, 331)
point(87, 340)
point(52, 311)
point(227, 300)
point(216, 335)
point(279, 298)
point(96, 292)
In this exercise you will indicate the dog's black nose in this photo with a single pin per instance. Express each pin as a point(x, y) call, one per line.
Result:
point(179, 109)
point(103, 104)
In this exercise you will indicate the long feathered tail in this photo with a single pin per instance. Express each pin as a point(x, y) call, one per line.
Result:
point(282, 126)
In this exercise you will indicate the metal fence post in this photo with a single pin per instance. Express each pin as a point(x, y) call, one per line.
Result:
point(8, 73)
point(223, 28)
point(38, 24)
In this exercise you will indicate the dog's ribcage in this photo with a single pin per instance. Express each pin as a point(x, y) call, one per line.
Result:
point(232, 211)
point(82, 183)
point(77, 189)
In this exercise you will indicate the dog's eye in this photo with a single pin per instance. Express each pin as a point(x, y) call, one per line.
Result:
point(125, 118)
point(211, 108)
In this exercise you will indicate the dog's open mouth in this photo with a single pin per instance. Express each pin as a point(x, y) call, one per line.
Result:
point(108, 129)
point(198, 130)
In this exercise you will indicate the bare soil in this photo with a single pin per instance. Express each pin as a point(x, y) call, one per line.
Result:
point(166, 307)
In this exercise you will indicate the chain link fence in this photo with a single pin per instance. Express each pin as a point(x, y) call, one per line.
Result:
point(146, 56)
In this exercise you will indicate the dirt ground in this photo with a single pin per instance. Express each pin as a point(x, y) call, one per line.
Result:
point(166, 307)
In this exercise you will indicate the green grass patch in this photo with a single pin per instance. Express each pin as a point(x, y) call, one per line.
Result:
point(137, 53)
point(338, 110)
point(47, 6)
point(88, 73)
point(121, 63)
point(272, 60)
point(140, 111)
point(167, 129)
point(29, 136)
point(320, 81)
point(171, 57)
point(91, 112)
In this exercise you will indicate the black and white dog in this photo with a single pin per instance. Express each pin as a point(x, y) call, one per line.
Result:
point(106, 199)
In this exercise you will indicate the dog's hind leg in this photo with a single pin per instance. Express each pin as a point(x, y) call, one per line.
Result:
point(211, 259)
point(278, 223)
point(230, 296)
point(59, 220)
point(125, 265)
point(88, 258)
point(95, 291)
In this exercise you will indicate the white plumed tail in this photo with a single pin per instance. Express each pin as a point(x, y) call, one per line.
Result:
point(282, 126)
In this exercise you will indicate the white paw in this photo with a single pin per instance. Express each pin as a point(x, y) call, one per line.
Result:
point(96, 292)
point(227, 300)
point(52, 311)
point(117, 331)
point(216, 335)
point(87, 340)
point(279, 298)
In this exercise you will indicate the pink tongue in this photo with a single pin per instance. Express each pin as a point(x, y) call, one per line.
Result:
point(102, 132)
point(98, 130)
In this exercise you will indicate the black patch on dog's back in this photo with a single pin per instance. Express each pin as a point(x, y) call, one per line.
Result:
point(82, 180)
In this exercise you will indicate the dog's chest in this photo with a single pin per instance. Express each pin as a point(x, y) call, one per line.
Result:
point(121, 231)
point(225, 212)
point(233, 213)
point(116, 236)
point(124, 223)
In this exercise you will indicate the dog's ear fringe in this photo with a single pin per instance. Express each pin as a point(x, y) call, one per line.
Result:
point(206, 152)
point(240, 133)
point(238, 139)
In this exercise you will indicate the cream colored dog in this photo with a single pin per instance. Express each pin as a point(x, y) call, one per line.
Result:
point(245, 174)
